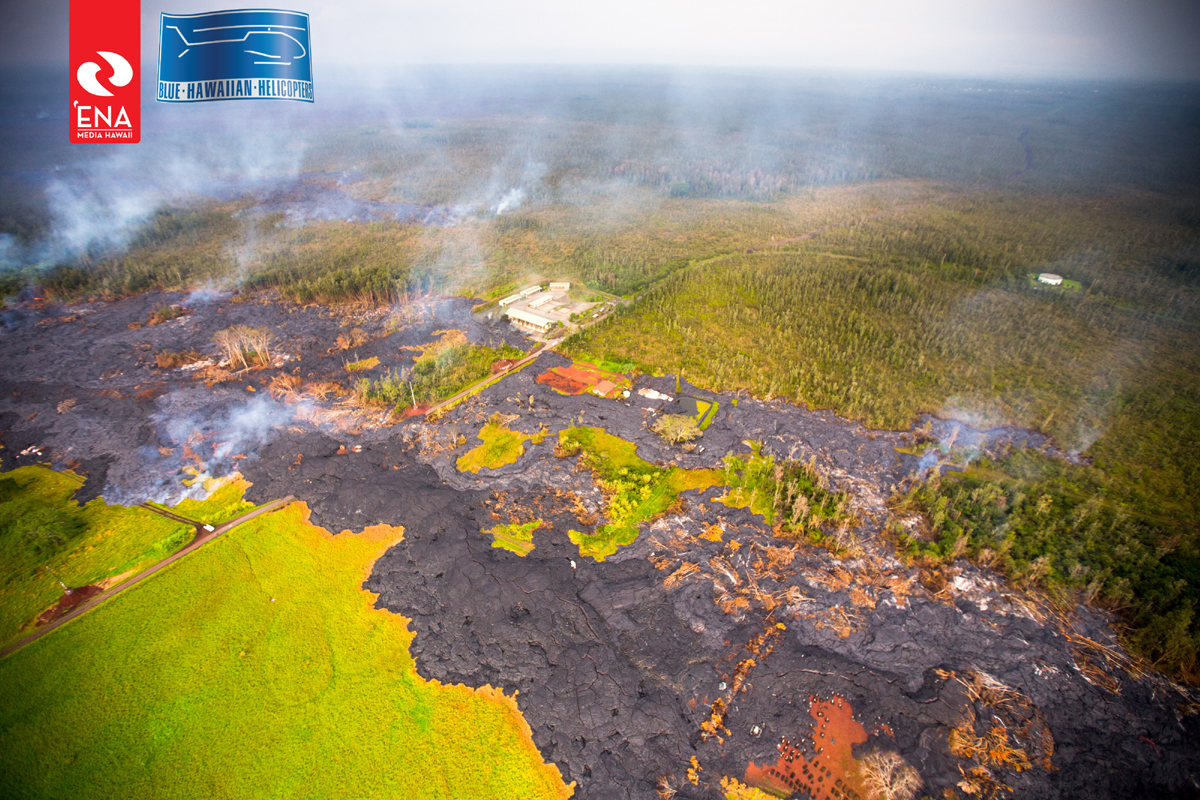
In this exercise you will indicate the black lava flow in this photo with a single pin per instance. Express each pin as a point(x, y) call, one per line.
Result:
point(616, 673)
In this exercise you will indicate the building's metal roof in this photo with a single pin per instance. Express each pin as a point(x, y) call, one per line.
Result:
point(532, 319)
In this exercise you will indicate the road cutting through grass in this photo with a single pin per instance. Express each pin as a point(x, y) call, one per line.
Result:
point(225, 501)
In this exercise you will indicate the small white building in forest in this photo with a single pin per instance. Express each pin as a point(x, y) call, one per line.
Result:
point(1050, 278)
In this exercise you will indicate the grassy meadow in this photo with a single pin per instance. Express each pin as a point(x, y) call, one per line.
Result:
point(500, 447)
point(256, 667)
point(635, 490)
point(93, 544)
point(788, 495)
point(515, 537)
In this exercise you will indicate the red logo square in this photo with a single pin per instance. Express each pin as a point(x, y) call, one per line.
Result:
point(106, 71)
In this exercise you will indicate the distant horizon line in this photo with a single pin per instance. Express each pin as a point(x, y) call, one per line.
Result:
point(750, 69)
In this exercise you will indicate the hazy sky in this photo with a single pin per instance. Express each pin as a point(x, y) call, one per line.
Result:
point(1070, 38)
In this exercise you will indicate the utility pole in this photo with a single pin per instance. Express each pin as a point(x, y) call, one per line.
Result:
point(58, 579)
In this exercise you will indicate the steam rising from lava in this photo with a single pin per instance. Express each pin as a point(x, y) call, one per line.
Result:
point(209, 445)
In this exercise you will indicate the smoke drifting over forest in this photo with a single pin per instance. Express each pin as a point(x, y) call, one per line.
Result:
point(493, 141)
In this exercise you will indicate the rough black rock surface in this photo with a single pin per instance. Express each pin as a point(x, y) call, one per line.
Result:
point(83, 388)
point(616, 674)
point(616, 670)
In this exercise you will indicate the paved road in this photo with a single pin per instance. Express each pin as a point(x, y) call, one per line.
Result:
point(172, 515)
point(197, 543)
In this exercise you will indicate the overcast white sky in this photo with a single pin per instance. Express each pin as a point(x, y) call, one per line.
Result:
point(1059, 38)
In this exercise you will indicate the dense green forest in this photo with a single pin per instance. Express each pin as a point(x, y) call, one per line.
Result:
point(931, 309)
point(623, 250)
point(1066, 529)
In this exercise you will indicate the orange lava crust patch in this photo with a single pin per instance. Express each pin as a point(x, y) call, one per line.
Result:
point(503, 365)
point(830, 771)
point(582, 377)
point(561, 383)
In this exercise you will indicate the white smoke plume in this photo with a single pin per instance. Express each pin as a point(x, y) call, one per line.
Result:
point(511, 199)
point(205, 295)
point(99, 202)
point(212, 440)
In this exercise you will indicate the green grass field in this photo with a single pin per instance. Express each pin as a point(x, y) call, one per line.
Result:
point(517, 538)
point(636, 491)
point(114, 542)
point(257, 668)
point(226, 502)
point(501, 446)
